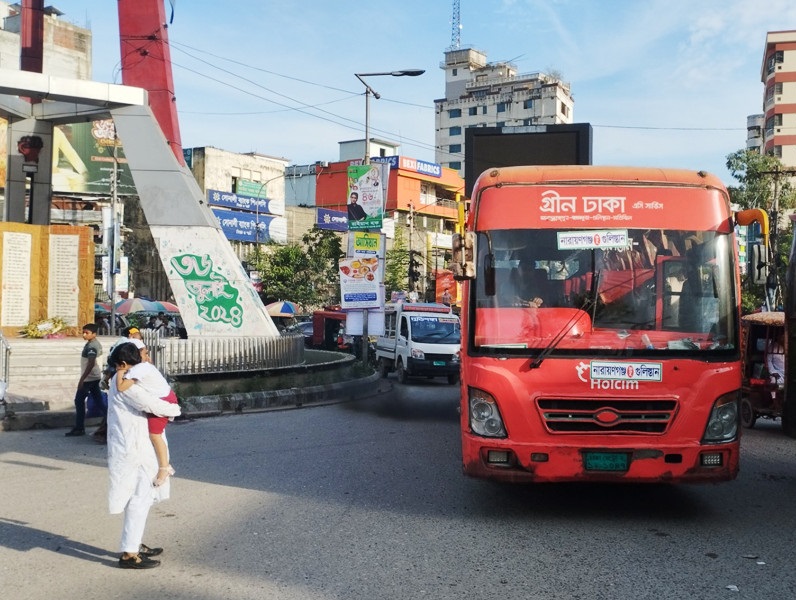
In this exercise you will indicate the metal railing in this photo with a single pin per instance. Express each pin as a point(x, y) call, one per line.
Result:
point(175, 356)
point(5, 360)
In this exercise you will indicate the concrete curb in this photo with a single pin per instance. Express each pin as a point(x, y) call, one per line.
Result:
point(195, 407)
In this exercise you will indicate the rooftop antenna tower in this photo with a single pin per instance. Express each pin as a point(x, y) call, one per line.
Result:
point(456, 27)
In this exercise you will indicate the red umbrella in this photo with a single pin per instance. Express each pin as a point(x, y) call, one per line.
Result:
point(133, 305)
point(168, 307)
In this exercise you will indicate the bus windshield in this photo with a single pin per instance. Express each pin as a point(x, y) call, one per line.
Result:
point(605, 293)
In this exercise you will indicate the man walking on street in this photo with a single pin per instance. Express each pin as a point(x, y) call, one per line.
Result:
point(90, 376)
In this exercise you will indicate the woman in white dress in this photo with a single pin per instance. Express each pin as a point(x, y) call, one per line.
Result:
point(131, 459)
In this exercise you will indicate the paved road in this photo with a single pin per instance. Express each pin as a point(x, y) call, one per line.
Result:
point(366, 500)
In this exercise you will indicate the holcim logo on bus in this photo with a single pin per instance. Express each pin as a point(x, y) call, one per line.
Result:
point(610, 375)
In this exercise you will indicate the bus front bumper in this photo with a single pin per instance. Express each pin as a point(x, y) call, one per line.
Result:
point(502, 460)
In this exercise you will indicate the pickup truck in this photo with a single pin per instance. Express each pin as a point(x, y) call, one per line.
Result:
point(421, 339)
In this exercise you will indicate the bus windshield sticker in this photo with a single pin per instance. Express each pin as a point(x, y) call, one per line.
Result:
point(592, 239)
point(603, 369)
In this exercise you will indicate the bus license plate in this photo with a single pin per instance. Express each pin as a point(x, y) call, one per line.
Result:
point(439, 363)
point(605, 461)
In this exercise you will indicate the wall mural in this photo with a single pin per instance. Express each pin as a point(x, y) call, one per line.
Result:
point(216, 299)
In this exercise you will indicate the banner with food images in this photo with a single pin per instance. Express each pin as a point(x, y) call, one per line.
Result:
point(359, 283)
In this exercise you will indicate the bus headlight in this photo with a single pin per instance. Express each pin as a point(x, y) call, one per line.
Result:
point(723, 422)
point(485, 416)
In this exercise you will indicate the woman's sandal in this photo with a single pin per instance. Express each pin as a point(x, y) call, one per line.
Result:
point(161, 478)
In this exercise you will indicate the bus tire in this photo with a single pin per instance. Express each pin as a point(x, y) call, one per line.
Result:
point(400, 371)
point(748, 416)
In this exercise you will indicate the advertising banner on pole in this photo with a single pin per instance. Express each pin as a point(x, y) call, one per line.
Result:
point(359, 283)
point(367, 195)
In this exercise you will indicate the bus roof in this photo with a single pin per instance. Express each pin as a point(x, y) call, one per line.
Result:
point(598, 174)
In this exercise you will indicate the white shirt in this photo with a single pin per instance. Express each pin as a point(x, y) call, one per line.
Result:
point(129, 447)
point(775, 361)
point(147, 375)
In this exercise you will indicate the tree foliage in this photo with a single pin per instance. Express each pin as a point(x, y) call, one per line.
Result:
point(306, 273)
point(756, 174)
point(763, 185)
point(396, 270)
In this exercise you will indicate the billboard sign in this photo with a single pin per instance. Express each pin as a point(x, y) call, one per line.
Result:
point(367, 195)
point(83, 159)
point(247, 203)
point(334, 220)
point(248, 227)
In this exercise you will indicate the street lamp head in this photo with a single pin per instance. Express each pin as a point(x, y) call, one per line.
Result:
point(408, 73)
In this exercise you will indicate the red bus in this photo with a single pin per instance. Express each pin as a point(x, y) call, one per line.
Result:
point(600, 326)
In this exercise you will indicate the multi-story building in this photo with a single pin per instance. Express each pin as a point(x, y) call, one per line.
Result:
point(67, 47)
point(754, 132)
point(778, 74)
point(482, 94)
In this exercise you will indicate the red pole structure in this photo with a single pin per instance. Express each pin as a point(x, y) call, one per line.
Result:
point(146, 62)
point(31, 57)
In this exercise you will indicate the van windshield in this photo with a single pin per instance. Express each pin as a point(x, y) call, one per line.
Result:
point(435, 330)
point(606, 292)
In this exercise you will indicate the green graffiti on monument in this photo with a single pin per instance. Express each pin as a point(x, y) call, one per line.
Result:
point(216, 298)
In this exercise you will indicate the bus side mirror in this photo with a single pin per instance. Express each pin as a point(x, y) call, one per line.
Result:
point(758, 267)
point(463, 262)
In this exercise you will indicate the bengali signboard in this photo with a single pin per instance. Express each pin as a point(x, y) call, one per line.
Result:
point(248, 227)
point(236, 201)
point(334, 220)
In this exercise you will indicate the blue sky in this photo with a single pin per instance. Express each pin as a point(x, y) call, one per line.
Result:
point(663, 82)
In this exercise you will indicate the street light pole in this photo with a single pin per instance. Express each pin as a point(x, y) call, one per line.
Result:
point(368, 91)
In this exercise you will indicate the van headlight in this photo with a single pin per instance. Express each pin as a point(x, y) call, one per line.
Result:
point(723, 422)
point(418, 354)
point(485, 416)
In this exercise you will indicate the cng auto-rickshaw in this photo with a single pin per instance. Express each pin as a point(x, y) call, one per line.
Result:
point(761, 391)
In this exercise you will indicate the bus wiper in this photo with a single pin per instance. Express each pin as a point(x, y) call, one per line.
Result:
point(588, 303)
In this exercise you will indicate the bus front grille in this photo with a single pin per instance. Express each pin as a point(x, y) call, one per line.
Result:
point(607, 415)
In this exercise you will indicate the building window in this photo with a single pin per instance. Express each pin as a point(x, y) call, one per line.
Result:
point(528, 103)
point(456, 165)
point(531, 121)
point(777, 58)
point(472, 111)
point(564, 109)
point(500, 124)
point(455, 113)
point(501, 107)
point(483, 110)
point(455, 72)
point(454, 148)
point(778, 88)
point(455, 130)
point(777, 151)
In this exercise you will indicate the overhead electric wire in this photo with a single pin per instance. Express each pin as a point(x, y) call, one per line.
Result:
point(358, 127)
point(340, 120)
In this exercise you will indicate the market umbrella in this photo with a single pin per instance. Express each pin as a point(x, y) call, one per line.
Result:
point(168, 307)
point(283, 308)
point(102, 307)
point(134, 305)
